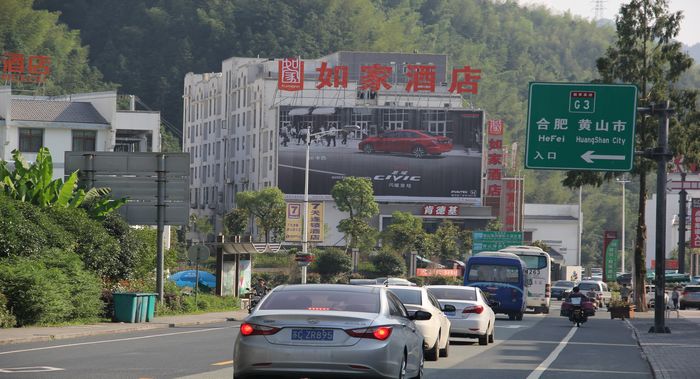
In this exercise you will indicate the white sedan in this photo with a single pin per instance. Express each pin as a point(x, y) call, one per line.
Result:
point(473, 316)
point(436, 330)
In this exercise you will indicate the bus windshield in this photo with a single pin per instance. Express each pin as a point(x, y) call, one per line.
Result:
point(534, 261)
point(493, 273)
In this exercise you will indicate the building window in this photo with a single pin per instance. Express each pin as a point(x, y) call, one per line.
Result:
point(84, 140)
point(30, 140)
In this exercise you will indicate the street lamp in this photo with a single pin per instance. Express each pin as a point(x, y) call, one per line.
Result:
point(623, 181)
point(305, 234)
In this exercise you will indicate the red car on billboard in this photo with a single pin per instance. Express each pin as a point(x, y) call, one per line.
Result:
point(415, 142)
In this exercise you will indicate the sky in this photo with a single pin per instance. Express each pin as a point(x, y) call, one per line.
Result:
point(690, 27)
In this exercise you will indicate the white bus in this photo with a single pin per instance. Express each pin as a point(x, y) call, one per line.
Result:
point(539, 267)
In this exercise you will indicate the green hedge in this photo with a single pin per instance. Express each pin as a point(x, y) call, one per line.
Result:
point(7, 319)
point(51, 288)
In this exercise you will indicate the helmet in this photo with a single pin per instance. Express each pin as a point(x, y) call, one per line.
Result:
point(575, 289)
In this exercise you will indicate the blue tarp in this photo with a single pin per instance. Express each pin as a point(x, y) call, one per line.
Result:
point(187, 278)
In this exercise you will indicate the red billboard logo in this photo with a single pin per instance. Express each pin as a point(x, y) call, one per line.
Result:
point(33, 69)
point(695, 224)
point(291, 75)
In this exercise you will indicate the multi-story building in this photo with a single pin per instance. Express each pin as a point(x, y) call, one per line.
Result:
point(77, 122)
point(244, 130)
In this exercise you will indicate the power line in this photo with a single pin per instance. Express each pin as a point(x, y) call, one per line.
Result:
point(165, 122)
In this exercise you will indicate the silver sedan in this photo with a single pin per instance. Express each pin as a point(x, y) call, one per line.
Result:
point(330, 331)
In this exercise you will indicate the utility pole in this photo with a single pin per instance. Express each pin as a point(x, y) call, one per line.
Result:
point(682, 214)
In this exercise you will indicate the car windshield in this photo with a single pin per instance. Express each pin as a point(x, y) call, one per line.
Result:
point(322, 300)
point(408, 296)
point(588, 287)
point(453, 293)
point(564, 283)
point(493, 273)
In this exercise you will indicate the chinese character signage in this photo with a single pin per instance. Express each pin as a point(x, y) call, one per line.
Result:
point(293, 231)
point(511, 204)
point(695, 224)
point(19, 68)
point(442, 162)
point(440, 210)
point(610, 255)
point(494, 161)
point(494, 240)
point(375, 77)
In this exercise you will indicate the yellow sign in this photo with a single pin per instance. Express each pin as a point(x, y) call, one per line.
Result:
point(293, 230)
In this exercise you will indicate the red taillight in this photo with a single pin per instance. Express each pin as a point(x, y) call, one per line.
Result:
point(318, 309)
point(474, 309)
point(684, 293)
point(253, 329)
point(378, 332)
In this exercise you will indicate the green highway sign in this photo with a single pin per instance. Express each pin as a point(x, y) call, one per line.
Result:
point(493, 241)
point(581, 126)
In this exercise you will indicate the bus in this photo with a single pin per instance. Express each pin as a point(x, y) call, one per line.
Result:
point(503, 277)
point(539, 267)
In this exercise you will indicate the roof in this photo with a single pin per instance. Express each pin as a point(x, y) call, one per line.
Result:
point(56, 111)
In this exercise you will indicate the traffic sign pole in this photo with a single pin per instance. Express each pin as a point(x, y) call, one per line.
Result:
point(581, 126)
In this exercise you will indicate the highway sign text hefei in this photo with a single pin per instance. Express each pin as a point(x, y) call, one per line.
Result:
point(572, 126)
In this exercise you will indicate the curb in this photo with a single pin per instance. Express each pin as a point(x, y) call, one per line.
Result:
point(654, 372)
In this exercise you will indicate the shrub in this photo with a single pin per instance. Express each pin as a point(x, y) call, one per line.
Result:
point(388, 263)
point(330, 263)
point(272, 260)
point(50, 288)
point(25, 229)
point(7, 319)
point(418, 280)
point(441, 280)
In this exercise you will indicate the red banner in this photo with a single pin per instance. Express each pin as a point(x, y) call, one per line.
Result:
point(437, 272)
point(695, 223)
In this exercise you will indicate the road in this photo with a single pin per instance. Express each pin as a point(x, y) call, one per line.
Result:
point(539, 346)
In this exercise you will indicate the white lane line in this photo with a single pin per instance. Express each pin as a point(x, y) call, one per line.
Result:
point(599, 371)
point(113, 340)
point(25, 370)
point(552, 356)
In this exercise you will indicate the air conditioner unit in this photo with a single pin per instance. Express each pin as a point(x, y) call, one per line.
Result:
point(447, 105)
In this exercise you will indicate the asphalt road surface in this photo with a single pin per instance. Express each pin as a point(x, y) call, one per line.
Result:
point(539, 346)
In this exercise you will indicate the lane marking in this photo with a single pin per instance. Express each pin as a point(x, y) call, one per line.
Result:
point(535, 374)
point(600, 371)
point(114, 340)
point(24, 370)
point(529, 342)
point(224, 363)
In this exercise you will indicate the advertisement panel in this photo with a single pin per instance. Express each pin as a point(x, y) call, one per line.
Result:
point(610, 255)
point(695, 223)
point(406, 152)
point(494, 240)
point(293, 231)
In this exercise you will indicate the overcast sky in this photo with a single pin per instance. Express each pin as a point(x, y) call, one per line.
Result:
point(690, 26)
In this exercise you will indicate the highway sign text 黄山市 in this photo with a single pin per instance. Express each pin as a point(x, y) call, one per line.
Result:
point(581, 126)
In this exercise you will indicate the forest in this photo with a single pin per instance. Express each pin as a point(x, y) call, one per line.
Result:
point(147, 47)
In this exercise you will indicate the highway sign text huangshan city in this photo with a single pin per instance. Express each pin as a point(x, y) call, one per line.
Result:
point(573, 126)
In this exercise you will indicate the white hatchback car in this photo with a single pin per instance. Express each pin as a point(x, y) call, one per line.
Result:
point(473, 316)
point(436, 331)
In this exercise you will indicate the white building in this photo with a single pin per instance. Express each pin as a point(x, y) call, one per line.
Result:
point(556, 225)
point(77, 122)
point(234, 122)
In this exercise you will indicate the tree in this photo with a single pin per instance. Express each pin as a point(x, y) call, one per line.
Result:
point(446, 237)
point(267, 206)
point(201, 225)
point(404, 231)
point(387, 263)
point(236, 222)
point(331, 263)
point(646, 54)
point(356, 196)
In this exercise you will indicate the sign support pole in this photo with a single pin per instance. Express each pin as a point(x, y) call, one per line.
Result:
point(682, 214)
point(160, 220)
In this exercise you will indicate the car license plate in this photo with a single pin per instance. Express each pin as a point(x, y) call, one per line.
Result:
point(450, 314)
point(312, 334)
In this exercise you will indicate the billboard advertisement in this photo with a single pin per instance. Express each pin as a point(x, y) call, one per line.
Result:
point(406, 152)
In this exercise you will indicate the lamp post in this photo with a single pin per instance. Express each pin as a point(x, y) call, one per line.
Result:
point(623, 181)
point(304, 226)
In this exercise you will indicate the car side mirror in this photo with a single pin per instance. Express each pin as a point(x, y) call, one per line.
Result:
point(420, 316)
point(449, 308)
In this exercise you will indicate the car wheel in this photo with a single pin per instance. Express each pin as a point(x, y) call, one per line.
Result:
point(418, 152)
point(484, 340)
point(519, 316)
point(511, 316)
point(491, 336)
point(432, 354)
point(682, 307)
point(368, 148)
point(445, 352)
point(402, 369)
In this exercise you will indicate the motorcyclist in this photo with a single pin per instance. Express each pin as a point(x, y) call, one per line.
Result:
point(576, 292)
point(260, 289)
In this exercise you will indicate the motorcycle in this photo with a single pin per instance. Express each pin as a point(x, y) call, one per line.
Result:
point(577, 310)
point(254, 300)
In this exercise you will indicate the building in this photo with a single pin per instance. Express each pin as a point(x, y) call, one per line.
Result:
point(556, 225)
point(77, 122)
point(243, 129)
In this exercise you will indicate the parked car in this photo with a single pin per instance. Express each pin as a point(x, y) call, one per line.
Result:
point(301, 330)
point(415, 142)
point(690, 297)
point(436, 330)
point(473, 316)
point(602, 293)
point(624, 279)
point(562, 288)
point(650, 291)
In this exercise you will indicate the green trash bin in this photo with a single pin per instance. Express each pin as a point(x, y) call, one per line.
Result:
point(126, 307)
point(141, 307)
point(151, 309)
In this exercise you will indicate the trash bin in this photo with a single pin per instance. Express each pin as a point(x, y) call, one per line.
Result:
point(134, 307)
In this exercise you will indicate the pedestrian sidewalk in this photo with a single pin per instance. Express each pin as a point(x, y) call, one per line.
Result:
point(670, 355)
point(37, 334)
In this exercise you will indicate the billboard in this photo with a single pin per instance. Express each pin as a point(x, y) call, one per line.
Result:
point(406, 152)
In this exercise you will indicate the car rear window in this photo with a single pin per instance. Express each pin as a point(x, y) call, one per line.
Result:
point(589, 287)
point(564, 283)
point(408, 296)
point(346, 301)
point(453, 293)
point(692, 289)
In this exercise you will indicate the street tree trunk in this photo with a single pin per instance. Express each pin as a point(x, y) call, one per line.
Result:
point(640, 238)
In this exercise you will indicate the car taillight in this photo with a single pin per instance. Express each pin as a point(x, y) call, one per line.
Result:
point(253, 329)
point(684, 293)
point(547, 290)
point(377, 332)
point(474, 309)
